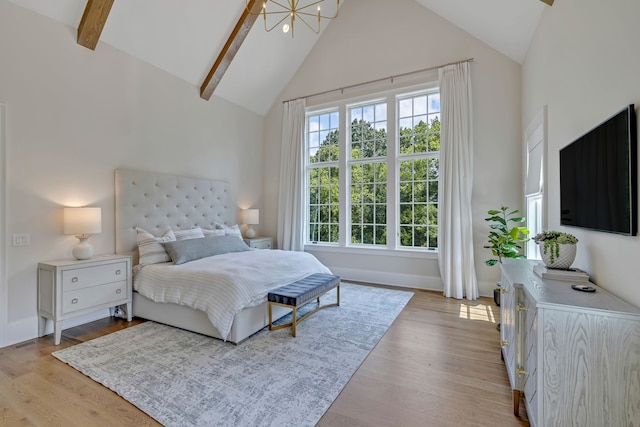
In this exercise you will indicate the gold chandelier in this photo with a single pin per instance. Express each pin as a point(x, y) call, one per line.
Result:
point(288, 12)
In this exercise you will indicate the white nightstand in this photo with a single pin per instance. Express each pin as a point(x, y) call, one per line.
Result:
point(70, 288)
point(260, 242)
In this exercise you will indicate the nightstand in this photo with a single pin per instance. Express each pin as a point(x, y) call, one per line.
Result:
point(260, 242)
point(70, 288)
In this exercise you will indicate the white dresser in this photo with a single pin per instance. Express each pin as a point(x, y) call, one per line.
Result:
point(70, 288)
point(574, 355)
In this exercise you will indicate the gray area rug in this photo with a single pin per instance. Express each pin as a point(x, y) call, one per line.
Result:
point(272, 379)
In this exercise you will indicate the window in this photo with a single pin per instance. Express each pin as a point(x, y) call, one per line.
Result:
point(323, 192)
point(534, 223)
point(419, 125)
point(371, 172)
point(368, 173)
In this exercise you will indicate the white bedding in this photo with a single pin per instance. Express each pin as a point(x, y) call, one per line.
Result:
point(223, 285)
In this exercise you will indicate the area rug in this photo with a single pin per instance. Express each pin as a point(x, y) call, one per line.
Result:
point(272, 379)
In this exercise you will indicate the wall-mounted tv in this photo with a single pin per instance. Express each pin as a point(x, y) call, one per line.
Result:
point(598, 177)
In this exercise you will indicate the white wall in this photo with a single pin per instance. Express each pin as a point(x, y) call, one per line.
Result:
point(392, 38)
point(73, 116)
point(584, 64)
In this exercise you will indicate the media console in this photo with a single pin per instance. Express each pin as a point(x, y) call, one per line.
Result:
point(574, 356)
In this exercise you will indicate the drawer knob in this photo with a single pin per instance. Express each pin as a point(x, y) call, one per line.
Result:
point(504, 343)
point(74, 279)
point(118, 291)
point(118, 272)
point(521, 371)
point(74, 301)
point(522, 307)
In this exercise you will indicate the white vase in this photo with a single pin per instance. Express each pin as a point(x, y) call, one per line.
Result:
point(566, 255)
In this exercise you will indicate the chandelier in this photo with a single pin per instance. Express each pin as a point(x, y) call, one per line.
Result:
point(286, 13)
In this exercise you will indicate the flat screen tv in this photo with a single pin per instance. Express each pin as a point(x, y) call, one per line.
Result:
point(598, 177)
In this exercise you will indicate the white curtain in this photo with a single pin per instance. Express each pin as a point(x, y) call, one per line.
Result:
point(455, 233)
point(289, 234)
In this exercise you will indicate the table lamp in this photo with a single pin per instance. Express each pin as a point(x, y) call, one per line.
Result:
point(250, 217)
point(83, 222)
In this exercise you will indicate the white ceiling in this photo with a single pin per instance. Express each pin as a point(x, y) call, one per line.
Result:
point(184, 38)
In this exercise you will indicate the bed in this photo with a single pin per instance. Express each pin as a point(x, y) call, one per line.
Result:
point(155, 203)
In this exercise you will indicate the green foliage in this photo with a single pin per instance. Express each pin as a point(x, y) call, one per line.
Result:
point(552, 241)
point(418, 186)
point(504, 241)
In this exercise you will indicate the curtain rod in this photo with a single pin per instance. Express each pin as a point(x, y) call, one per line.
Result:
point(390, 78)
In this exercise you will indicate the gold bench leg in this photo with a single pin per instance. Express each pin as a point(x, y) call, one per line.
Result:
point(294, 322)
point(294, 312)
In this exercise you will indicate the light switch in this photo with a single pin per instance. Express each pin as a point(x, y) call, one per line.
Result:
point(21, 239)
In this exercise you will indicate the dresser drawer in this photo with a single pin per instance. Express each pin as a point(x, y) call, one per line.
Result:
point(260, 243)
point(263, 244)
point(79, 278)
point(79, 299)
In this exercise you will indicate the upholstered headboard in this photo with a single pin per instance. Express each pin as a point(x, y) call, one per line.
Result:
point(153, 201)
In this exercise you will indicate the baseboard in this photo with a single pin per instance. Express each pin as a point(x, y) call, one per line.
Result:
point(390, 279)
point(402, 280)
point(27, 329)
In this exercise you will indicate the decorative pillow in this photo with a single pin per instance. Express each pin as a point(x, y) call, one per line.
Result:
point(234, 230)
point(207, 232)
point(193, 249)
point(150, 247)
point(192, 233)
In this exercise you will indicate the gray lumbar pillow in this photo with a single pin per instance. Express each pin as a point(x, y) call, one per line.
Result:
point(192, 249)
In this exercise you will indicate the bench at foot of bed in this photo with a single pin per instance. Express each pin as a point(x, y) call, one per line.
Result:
point(296, 294)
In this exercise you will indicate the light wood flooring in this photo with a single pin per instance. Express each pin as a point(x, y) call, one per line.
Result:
point(438, 365)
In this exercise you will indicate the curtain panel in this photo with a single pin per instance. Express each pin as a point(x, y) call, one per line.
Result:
point(455, 229)
point(289, 233)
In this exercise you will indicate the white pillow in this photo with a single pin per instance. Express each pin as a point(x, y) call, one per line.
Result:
point(207, 232)
point(150, 247)
point(234, 230)
point(192, 233)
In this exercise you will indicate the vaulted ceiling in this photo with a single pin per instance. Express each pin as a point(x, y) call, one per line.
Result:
point(186, 38)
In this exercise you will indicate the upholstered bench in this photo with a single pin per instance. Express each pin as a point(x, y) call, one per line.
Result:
point(296, 294)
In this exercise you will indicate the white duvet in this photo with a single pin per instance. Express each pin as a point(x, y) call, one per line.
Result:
point(223, 285)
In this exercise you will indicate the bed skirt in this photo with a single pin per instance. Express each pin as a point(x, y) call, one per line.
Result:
point(246, 323)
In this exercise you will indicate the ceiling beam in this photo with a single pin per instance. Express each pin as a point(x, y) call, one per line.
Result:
point(549, 2)
point(231, 47)
point(93, 19)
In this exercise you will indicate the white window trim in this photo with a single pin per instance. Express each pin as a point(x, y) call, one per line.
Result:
point(537, 129)
point(343, 246)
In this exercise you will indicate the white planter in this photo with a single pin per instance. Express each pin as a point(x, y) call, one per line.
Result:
point(565, 257)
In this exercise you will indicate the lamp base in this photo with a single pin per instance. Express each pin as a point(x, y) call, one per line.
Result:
point(250, 233)
point(83, 250)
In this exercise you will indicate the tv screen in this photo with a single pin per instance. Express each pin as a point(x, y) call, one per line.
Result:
point(598, 177)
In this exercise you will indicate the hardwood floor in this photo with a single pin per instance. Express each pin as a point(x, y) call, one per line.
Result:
point(437, 365)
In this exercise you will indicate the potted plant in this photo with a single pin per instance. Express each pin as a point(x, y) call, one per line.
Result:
point(558, 249)
point(505, 241)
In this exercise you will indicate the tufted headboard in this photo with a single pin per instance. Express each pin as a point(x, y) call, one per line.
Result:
point(153, 201)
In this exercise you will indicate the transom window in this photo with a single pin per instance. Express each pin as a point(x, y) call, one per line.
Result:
point(371, 172)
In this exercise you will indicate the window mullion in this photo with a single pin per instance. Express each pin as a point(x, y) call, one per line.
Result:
point(345, 204)
point(392, 175)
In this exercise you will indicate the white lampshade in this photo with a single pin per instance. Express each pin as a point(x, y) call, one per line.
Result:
point(83, 222)
point(251, 216)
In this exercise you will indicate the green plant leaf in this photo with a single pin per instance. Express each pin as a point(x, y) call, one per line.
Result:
point(502, 240)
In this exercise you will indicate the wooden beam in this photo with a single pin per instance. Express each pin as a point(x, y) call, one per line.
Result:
point(231, 47)
point(549, 2)
point(93, 19)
